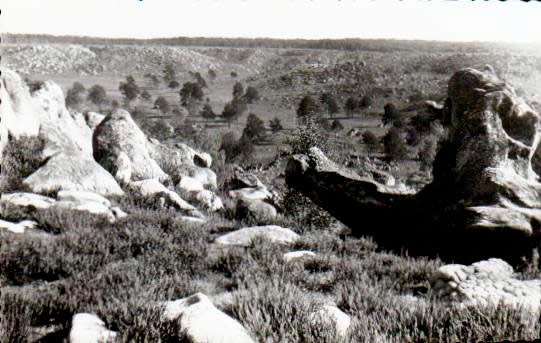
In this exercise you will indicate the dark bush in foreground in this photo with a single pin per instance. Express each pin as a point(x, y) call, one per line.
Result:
point(21, 158)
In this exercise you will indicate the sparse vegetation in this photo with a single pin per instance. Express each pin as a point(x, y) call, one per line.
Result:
point(97, 95)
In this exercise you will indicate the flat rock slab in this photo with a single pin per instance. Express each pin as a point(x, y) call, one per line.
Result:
point(294, 256)
point(246, 235)
point(19, 227)
point(486, 283)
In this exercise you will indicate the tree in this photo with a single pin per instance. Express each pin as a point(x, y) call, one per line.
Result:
point(238, 90)
point(233, 109)
point(173, 84)
point(74, 95)
point(255, 128)
point(190, 96)
point(97, 95)
point(199, 79)
point(394, 145)
point(146, 96)
point(390, 115)
point(351, 106)
point(329, 103)
point(169, 73)
point(371, 141)
point(212, 74)
point(365, 102)
point(251, 95)
point(234, 74)
point(162, 104)
point(207, 112)
point(307, 107)
point(275, 125)
point(129, 89)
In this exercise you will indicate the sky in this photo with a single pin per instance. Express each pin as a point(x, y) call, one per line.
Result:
point(447, 20)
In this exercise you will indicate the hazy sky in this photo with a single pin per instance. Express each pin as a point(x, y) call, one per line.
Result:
point(456, 20)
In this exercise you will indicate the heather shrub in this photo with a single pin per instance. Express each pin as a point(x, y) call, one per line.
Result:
point(20, 159)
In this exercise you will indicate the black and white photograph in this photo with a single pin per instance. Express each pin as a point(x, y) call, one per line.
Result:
point(279, 171)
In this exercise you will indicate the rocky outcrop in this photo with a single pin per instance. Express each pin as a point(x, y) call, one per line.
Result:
point(93, 119)
point(88, 328)
point(19, 227)
point(203, 322)
point(489, 282)
point(118, 134)
point(17, 110)
point(61, 130)
point(65, 171)
point(245, 236)
point(298, 255)
point(484, 197)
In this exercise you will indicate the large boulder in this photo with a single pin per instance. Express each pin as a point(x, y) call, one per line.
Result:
point(65, 171)
point(117, 134)
point(203, 322)
point(488, 282)
point(484, 198)
point(60, 129)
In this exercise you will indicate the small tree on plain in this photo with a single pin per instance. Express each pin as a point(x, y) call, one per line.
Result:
point(350, 106)
point(275, 125)
point(129, 89)
point(233, 110)
point(207, 112)
point(173, 84)
point(162, 104)
point(191, 95)
point(390, 115)
point(330, 104)
point(211, 74)
point(394, 145)
point(251, 95)
point(307, 107)
point(169, 73)
point(238, 90)
point(146, 96)
point(365, 102)
point(74, 95)
point(371, 141)
point(255, 128)
point(97, 95)
point(427, 153)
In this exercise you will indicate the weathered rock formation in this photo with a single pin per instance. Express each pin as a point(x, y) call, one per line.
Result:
point(489, 282)
point(118, 134)
point(485, 199)
point(330, 315)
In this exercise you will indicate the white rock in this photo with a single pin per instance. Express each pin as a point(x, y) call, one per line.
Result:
point(244, 236)
point(88, 328)
point(203, 322)
point(332, 315)
point(297, 255)
point(17, 227)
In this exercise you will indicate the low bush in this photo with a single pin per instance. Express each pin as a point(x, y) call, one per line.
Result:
point(20, 159)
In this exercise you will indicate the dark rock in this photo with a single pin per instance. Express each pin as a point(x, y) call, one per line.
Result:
point(484, 200)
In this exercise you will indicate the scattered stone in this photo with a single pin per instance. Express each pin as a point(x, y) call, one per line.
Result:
point(330, 315)
point(257, 209)
point(88, 328)
point(487, 282)
point(153, 189)
point(18, 227)
point(294, 256)
point(245, 236)
point(93, 119)
point(203, 322)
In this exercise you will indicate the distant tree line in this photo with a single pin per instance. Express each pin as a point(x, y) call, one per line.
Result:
point(382, 45)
